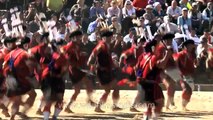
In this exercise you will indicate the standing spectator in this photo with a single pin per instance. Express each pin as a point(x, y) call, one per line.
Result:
point(30, 13)
point(113, 10)
point(184, 23)
point(81, 12)
point(95, 10)
point(40, 5)
point(174, 11)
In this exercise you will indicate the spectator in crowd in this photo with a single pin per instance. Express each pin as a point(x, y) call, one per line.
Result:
point(203, 47)
point(95, 10)
point(115, 26)
point(150, 18)
point(30, 13)
point(185, 4)
point(195, 16)
point(207, 35)
point(113, 10)
point(129, 37)
point(128, 14)
point(106, 5)
point(207, 15)
point(93, 25)
point(174, 11)
point(167, 26)
point(193, 36)
point(40, 5)
point(158, 12)
point(128, 10)
point(184, 23)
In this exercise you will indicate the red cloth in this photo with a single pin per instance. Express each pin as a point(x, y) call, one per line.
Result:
point(73, 54)
point(21, 68)
point(59, 62)
point(185, 63)
point(160, 52)
point(140, 3)
point(104, 58)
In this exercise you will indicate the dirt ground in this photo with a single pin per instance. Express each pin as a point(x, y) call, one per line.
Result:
point(201, 108)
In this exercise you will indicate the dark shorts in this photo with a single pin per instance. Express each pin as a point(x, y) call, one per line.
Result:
point(15, 88)
point(20, 90)
point(104, 76)
point(76, 75)
point(52, 86)
point(153, 91)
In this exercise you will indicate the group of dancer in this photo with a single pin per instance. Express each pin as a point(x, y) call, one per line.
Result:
point(144, 65)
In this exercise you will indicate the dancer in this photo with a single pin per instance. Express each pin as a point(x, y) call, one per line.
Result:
point(170, 71)
point(53, 85)
point(76, 61)
point(186, 60)
point(102, 55)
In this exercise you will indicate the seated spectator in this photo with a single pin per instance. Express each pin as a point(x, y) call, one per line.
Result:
point(185, 4)
point(203, 47)
point(115, 26)
point(184, 23)
point(195, 16)
point(113, 10)
point(208, 36)
point(167, 26)
point(174, 11)
point(128, 13)
point(129, 37)
point(158, 12)
point(128, 10)
point(194, 37)
point(207, 13)
point(106, 5)
point(150, 18)
point(93, 25)
point(95, 10)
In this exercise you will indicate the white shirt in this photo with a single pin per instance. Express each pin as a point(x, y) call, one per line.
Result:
point(127, 12)
point(170, 11)
point(127, 39)
point(195, 38)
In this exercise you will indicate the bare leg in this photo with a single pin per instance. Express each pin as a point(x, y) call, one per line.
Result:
point(77, 88)
point(89, 90)
point(103, 98)
point(186, 94)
